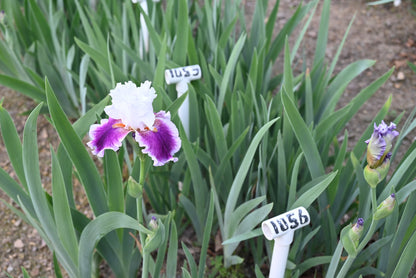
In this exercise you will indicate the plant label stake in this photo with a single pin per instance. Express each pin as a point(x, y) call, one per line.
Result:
point(181, 77)
point(145, 31)
point(281, 228)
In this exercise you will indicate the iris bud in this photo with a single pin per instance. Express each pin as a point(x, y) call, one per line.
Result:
point(350, 237)
point(356, 231)
point(153, 223)
point(134, 189)
point(375, 176)
point(385, 208)
point(155, 238)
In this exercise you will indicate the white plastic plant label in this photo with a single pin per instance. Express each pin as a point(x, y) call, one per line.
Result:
point(188, 73)
point(285, 222)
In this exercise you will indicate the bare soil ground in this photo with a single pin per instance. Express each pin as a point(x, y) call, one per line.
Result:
point(385, 33)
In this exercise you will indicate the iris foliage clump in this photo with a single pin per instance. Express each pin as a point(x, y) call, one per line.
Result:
point(266, 135)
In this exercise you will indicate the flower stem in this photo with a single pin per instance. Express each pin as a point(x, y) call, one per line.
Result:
point(373, 224)
point(139, 204)
point(139, 200)
point(346, 266)
point(374, 199)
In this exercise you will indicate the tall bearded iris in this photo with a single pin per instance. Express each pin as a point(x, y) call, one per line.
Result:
point(378, 152)
point(132, 111)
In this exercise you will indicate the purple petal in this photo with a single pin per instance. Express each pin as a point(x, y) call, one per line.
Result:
point(106, 135)
point(380, 143)
point(161, 141)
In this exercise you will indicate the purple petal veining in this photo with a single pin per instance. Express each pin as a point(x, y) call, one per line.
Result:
point(161, 141)
point(106, 135)
point(380, 143)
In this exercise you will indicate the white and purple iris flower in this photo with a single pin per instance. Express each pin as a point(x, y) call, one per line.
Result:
point(380, 144)
point(132, 111)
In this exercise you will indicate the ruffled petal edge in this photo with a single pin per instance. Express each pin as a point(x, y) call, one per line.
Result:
point(161, 141)
point(106, 135)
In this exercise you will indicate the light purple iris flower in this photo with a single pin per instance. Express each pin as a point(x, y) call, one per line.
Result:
point(132, 111)
point(380, 144)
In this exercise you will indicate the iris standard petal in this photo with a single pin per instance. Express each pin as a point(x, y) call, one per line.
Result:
point(109, 134)
point(161, 141)
point(390, 135)
point(375, 149)
point(132, 104)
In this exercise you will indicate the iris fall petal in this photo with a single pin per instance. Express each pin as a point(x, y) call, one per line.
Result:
point(161, 141)
point(109, 134)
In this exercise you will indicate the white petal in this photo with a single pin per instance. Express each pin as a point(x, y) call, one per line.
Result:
point(132, 105)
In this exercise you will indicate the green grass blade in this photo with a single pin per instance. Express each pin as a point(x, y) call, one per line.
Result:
point(232, 61)
point(278, 43)
point(97, 229)
point(242, 171)
point(307, 198)
point(226, 34)
point(40, 203)
point(407, 164)
point(322, 40)
point(304, 137)
point(364, 95)
point(339, 83)
point(244, 236)
point(231, 151)
point(161, 65)
point(62, 211)
point(171, 263)
point(191, 261)
point(40, 24)
point(206, 237)
point(114, 180)
point(293, 182)
point(309, 113)
point(12, 143)
point(258, 30)
point(199, 185)
point(76, 150)
point(82, 125)
point(181, 45)
point(56, 267)
point(281, 187)
point(23, 87)
point(271, 20)
point(191, 210)
point(287, 69)
point(379, 2)
point(214, 122)
point(103, 61)
point(242, 211)
point(335, 59)
point(405, 228)
point(161, 252)
point(333, 265)
point(406, 260)
point(302, 33)
point(14, 191)
point(312, 262)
